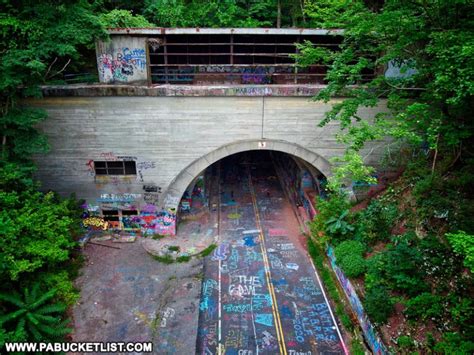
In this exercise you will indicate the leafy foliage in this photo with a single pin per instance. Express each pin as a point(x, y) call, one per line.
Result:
point(39, 40)
point(425, 306)
point(429, 44)
point(454, 343)
point(402, 268)
point(339, 225)
point(331, 220)
point(194, 13)
point(377, 304)
point(349, 256)
point(36, 230)
point(376, 221)
point(463, 244)
point(33, 316)
point(415, 59)
point(123, 18)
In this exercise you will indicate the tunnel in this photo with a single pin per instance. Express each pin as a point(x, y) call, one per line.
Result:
point(221, 182)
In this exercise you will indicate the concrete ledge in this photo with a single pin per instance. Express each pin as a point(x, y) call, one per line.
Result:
point(86, 90)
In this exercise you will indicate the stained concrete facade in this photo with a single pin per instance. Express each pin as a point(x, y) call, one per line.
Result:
point(172, 139)
point(122, 59)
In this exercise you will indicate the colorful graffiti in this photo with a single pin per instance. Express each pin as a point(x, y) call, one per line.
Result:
point(123, 65)
point(148, 221)
point(368, 329)
point(90, 167)
point(126, 197)
point(95, 223)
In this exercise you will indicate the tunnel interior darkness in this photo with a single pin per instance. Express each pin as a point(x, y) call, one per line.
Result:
point(300, 181)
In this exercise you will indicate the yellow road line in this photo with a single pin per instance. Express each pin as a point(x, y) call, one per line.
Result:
point(266, 264)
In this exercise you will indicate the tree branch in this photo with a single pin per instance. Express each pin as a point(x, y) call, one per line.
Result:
point(49, 68)
point(60, 71)
point(403, 88)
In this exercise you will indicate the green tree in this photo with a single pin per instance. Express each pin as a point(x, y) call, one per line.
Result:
point(38, 41)
point(430, 44)
point(123, 18)
point(226, 13)
point(36, 230)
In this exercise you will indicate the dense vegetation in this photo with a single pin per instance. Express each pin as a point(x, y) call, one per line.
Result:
point(40, 42)
point(37, 230)
point(411, 248)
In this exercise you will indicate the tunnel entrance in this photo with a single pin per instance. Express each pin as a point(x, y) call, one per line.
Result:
point(220, 183)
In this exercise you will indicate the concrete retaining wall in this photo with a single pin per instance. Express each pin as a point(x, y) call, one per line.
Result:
point(172, 139)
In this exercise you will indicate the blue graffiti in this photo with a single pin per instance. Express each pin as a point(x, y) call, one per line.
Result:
point(286, 312)
point(249, 242)
point(265, 319)
point(220, 253)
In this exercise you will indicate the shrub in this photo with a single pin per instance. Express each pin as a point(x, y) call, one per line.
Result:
point(405, 342)
point(316, 253)
point(453, 343)
point(463, 244)
point(349, 257)
point(64, 285)
point(425, 306)
point(462, 313)
point(349, 247)
point(332, 218)
point(353, 265)
point(378, 304)
point(377, 220)
point(402, 267)
point(338, 225)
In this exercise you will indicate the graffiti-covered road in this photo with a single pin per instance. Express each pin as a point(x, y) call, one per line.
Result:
point(260, 293)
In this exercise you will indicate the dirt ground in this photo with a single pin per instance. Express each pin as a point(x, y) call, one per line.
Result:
point(128, 296)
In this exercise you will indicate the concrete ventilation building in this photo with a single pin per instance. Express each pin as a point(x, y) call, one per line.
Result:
point(171, 102)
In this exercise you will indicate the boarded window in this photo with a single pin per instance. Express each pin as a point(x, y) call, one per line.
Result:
point(111, 215)
point(115, 167)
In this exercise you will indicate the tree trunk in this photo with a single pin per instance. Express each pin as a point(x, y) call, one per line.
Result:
point(279, 14)
point(302, 11)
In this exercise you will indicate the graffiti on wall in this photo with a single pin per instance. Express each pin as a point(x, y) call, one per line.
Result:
point(148, 218)
point(90, 167)
point(126, 197)
point(122, 65)
point(171, 201)
point(247, 75)
point(148, 221)
point(95, 223)
point(369, 331)
point(141, 166)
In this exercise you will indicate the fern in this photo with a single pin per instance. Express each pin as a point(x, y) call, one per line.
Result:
point(35, 316)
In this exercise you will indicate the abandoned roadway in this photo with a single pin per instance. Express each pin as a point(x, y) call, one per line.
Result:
point(260, 293)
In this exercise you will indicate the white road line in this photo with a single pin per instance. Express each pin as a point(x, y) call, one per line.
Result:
point(254, 330)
